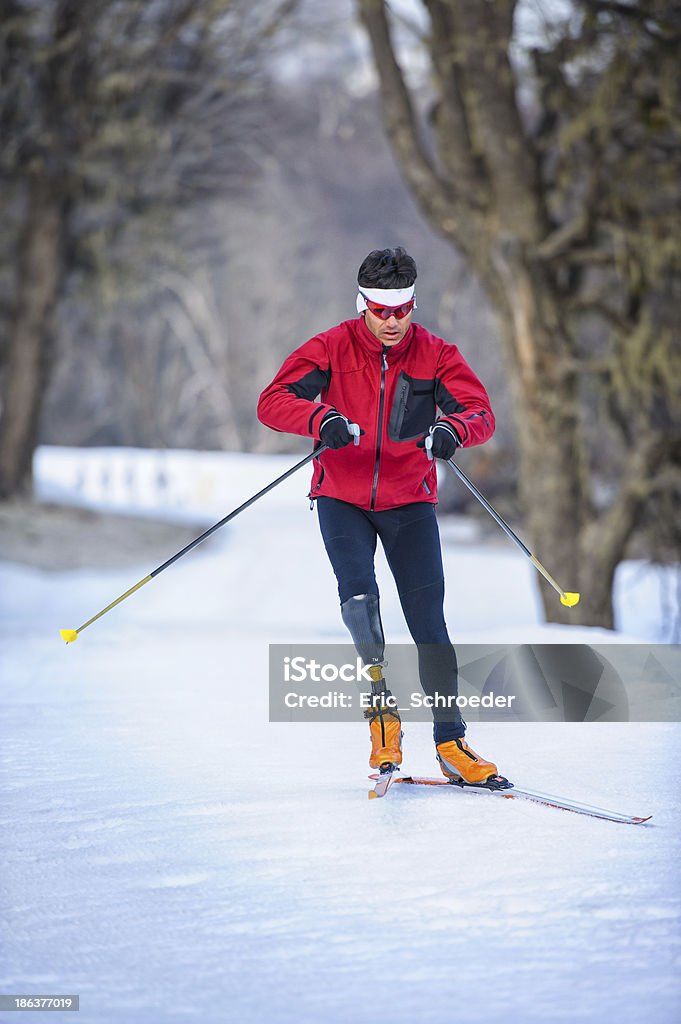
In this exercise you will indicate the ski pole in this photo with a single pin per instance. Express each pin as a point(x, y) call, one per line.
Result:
point(566, 598)
point(69, 635)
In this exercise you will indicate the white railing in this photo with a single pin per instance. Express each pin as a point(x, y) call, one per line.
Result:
point(173, 483)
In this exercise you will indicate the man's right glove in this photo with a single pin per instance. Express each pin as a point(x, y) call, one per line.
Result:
point(444, 441)
point(335, 430)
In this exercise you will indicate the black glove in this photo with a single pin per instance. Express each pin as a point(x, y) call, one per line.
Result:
point(445, 441)
point(334, 430)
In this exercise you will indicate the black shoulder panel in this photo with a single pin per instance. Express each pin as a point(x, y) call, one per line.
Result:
point(311, 384)
point(446, 401)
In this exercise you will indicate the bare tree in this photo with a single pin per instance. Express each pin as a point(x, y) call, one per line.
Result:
point(113, 116)
point(567, 209)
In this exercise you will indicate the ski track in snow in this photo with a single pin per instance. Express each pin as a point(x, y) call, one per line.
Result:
point(170, 856)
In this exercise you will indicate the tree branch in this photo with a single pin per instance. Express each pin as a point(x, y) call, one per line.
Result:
point(563, 238)
point(650, 21)
point(481, 52)
point(449, 114)
point(401, 122)
point(593, 302)
point(608, 533)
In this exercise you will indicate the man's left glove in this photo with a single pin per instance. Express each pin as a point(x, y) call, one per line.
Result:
point(444, 441)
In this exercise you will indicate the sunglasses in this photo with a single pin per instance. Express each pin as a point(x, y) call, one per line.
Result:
point(385, 312)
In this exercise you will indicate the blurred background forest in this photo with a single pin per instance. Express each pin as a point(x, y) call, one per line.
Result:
point(189, 186)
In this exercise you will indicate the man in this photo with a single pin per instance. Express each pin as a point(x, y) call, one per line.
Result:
point(389, 376)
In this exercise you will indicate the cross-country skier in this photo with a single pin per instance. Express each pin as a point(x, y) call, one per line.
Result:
point(390, 376)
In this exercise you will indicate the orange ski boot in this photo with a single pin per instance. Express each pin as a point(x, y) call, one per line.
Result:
point(385, 725)
point(458, 761)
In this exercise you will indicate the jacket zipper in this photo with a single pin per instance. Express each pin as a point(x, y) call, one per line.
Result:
point(465, 420)
point(384, 367)
point(475, 415)
point(402, 406)
point(316, 488)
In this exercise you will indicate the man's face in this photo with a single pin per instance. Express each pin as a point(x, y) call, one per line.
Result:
point(390, 331)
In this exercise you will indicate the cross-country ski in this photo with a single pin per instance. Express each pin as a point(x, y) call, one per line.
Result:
point(511, 792)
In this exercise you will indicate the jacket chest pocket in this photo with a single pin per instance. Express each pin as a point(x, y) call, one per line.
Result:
point(413, 409)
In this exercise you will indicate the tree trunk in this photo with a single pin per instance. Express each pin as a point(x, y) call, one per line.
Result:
point(484, 182)
point(604, 539)
point(553, 488)
point(38, 273)
point(580, 548)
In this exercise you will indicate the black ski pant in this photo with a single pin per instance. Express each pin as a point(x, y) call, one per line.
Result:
point(411, 541)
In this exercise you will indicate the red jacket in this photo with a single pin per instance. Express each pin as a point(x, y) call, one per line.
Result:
point(393, 394)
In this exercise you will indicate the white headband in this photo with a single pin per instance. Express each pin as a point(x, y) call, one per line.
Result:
point(384, 296)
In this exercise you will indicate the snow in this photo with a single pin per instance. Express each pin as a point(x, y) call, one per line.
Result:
point(170, 855)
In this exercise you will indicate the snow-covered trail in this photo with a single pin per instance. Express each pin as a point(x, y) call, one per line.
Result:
point(170, 855)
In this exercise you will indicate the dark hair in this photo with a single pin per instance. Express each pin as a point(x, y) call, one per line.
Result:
point(387, 268)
